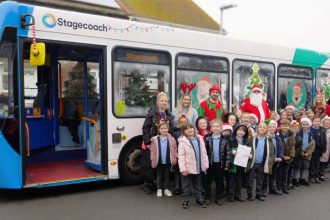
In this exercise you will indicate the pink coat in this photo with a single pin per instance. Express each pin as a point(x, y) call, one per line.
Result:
point(154, 151)
point(187, 158)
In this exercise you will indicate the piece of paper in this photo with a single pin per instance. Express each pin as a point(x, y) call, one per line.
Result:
point(242, 155)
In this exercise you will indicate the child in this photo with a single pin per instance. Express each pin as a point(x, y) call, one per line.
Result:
point(202, 125)
point(305, 146)
point(177, 133)
point(231, 119)
point(192, 161)
point(163, 155)
point(320, 139)
point(253, 122)
point(273, 115)
point(325, 156)
point(311, 114)
point(295, 128)
point(235, 173)
point(288, 140)
point(218, 151)
point(261, 160)
point(245, 119)
point(270, 179)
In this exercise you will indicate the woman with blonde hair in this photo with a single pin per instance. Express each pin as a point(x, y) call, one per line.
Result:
point(185, 109)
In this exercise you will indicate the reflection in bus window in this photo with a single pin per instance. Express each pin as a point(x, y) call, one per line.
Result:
point(242, 70)
point(204, 71)
point(323, 82)
point(294, 87)
point(138, 77)
point(30, 83)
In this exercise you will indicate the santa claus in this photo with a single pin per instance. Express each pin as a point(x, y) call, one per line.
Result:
point(256, 104)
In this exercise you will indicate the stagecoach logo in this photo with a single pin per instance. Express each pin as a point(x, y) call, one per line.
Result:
point(49, 20)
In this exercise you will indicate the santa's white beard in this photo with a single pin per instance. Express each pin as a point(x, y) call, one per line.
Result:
point(256, 99)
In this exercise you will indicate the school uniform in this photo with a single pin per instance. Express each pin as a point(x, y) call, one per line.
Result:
point(319, 136)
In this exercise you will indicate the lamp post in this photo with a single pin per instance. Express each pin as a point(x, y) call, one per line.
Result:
point(222, 8)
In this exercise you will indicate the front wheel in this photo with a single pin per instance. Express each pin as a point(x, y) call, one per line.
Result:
point(130, 163)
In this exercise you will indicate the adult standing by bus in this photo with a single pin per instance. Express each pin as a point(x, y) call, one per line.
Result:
point(149, 129)
point(212, 107)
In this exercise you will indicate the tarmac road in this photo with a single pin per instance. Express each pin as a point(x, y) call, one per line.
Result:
point(112, 201)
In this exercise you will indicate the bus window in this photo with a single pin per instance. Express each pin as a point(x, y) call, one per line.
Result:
point(139, 75)
point(204, 71)
point(30, 83)
point(242, 71)
point(294, 86)
point(323, 82)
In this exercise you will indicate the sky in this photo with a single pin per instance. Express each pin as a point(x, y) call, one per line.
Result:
point(293, 23)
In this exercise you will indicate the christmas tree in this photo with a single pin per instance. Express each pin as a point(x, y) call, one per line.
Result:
point(137, 93)
point(254, 79)
point(75, 86)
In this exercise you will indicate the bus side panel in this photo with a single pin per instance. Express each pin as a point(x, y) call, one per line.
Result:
point(10, 166)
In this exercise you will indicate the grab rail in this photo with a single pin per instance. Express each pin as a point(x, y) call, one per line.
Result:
point(96, 131)
point(27, 138)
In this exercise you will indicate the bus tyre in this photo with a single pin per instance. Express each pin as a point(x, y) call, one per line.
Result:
point(130, 163)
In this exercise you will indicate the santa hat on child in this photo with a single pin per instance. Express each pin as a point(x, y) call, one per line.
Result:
point(227, 126)
point(256, 87)
point(255, 116)
point(294, 123)
point(290, 106)
point(325, 118)
point(273, 122)
point(307, 120)
point(214, 87)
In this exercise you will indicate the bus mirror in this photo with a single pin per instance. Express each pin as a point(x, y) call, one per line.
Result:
point(38, 54)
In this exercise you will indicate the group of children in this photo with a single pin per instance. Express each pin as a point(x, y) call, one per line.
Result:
point(284, 154)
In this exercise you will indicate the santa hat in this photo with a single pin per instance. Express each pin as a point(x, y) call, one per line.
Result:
point(307, 120)
point(255, 116)
point(294, 123)
point(256, 87)
point(297, 84)
point(214, 87)
point(204, 78)
point(227, 126)
point(273, 122)
point(290, 106)
point(325, 118)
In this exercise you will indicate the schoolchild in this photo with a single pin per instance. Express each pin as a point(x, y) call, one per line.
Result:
point(227, 131)
point(163, 155)
point(305, 146)
point(218, 151)
point(176, 134)
point(270, 179)
point(320, 139)
point(192, 161)
point(235, 173)
point(324, 160)
point(261, 160)
point(287, 138)
point(203, 126)
point(295, 128)
point(230, 118)
point(253, 122)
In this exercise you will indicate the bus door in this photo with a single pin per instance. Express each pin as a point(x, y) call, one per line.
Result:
point(64, 115)
point(294, 86)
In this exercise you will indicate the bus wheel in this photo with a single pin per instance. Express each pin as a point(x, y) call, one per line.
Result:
point(129, 163)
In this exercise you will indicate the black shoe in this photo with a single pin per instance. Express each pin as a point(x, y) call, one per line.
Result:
point(292, 187)
point(146, 189)
point(250, 198)
point(316, 180)
point(275, 192)
point(285, 191)
point(207, 202)
point(312, 181)
point(218, 202)
point(177, 191)
point(201, 203)
point(185, 204)
point(239, 199)
point(260, 198)
point(322, 178)
point(304, 182)
point(263, 195)
point(230, 199)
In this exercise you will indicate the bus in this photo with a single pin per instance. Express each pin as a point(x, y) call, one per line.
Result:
point(75, 88)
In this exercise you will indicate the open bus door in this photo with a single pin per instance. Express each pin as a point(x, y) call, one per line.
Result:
point(64, 116)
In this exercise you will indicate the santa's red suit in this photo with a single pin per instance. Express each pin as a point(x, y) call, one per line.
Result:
point(262, 111)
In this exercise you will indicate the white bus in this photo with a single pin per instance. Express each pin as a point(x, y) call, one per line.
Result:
point(109, 71)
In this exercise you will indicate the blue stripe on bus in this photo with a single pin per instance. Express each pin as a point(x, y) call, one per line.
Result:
point(10, 16)
point(10, 166)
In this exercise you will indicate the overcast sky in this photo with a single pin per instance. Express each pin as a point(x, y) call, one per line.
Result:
point(295, 23)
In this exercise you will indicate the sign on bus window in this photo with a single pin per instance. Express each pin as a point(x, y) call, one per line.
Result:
point(202, 71)
point(242, 72)
point(294, 87)
point(323, 83)
point(139, 75)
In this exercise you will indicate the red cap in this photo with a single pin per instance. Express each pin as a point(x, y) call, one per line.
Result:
point(297, 84)
point(214, 87)
point(205, 78)
point(256, 87)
